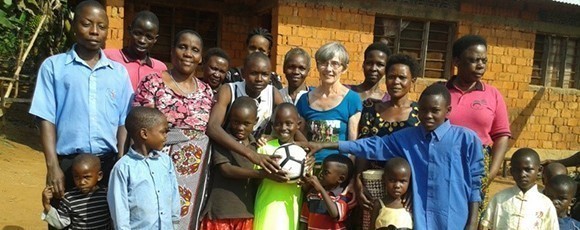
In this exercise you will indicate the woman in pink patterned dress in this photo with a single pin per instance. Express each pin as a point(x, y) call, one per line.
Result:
point(187, 102)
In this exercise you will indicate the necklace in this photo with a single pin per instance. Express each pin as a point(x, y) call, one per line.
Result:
point(177, 85)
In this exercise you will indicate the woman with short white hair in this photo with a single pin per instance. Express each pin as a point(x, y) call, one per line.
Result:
point(331, 110)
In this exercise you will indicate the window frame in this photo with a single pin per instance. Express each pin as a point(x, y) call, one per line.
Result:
point(547, 49)
point(423, 59)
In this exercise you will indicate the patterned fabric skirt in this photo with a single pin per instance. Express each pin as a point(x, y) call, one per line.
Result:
point(485, 179)
point(191, 160)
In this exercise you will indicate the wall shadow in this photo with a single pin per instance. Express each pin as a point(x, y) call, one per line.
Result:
point(518, 124)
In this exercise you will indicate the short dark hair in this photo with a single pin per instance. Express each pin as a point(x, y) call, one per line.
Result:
point(465, 42)
point(285, 105)
point(215, 51)
point(344, 160)
point(565, 181)
point(261, 32)
point(187, 31)
point(437, 89)
point(142, 118)
point(244, 102)
point(407, 60)
point(87, 159)
point(87, 3)
point(396, 163)
point(147, 16)
point(256, 55)
point(378, 46)
point(297, 52)
point(522, 153)
point(554, 167)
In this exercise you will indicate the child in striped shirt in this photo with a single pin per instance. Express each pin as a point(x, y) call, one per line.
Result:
point(85, 206)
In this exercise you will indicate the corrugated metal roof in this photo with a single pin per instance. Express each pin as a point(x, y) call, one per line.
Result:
point(573, 2)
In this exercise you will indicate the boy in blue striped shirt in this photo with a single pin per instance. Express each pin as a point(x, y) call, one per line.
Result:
point(83, 207)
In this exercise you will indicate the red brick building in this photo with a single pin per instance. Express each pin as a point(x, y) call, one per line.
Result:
point(534, 45)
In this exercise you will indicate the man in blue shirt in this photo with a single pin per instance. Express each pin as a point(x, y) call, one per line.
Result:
point(446, 162)
point(81, 99)
point(143, 192)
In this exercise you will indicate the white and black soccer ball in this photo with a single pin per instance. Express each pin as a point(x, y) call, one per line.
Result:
point(292, 160)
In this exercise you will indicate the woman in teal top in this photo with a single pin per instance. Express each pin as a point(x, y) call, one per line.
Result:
point(331, 110)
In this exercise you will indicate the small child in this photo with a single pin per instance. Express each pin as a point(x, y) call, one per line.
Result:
point(561, 189)
point(230, 205)
point(522, 206)
point(325, 207)
point(277, 202)
point(551, 170)
point(143, 191)
point(390, 211)
point(85, 206)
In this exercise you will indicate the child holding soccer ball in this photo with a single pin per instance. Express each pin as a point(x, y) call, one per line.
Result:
point(277, 204)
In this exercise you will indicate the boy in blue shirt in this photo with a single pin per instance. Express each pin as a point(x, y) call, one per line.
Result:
point(143, 192)
point(81, 99)
point(446, 163)
point(561, 189)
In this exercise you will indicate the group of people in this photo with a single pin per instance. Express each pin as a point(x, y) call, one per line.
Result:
point(131, 144)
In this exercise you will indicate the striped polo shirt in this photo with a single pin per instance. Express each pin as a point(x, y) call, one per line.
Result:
point(86, 211)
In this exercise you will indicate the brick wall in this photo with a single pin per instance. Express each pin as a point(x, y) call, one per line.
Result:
point(309, 26)
point(233, 37)
point(541, 118)
point(116, 14)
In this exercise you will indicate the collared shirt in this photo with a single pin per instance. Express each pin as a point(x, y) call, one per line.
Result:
point(568, 223)
point(482, 110)
point(86, 105)
point(513, 209)
point(446, 166)
point(143, 192)
point(137, 69)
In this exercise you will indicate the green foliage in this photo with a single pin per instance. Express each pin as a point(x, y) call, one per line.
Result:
point(18, 21)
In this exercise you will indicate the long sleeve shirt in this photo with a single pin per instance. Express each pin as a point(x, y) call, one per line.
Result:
point(143, 192)
point(513, 209)
point(446, 166)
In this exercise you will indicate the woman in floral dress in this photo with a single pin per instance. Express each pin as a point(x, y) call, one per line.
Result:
point(380, 118)
point(187, 102)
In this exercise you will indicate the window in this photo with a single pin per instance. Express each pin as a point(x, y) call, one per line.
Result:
point(174, 19)
point(556, 61)
point(429, 42)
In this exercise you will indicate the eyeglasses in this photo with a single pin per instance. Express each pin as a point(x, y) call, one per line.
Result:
point(138, 34)
point(333, 64)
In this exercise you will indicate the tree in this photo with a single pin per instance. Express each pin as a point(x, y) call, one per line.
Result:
point(32, 31)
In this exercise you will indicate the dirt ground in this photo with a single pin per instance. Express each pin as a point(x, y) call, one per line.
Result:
point(22, 172)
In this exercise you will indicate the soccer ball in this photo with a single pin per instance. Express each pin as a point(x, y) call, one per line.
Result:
point(291, 161)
